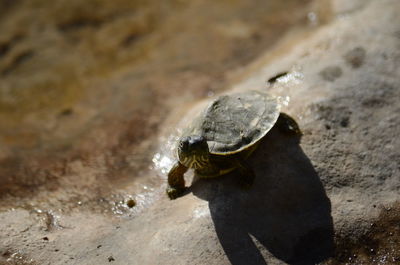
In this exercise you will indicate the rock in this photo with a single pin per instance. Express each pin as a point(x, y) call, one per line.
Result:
point(330, 73)
point(309, 193)
point(355, 57)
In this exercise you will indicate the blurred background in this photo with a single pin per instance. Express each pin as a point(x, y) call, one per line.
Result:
point(87, 87)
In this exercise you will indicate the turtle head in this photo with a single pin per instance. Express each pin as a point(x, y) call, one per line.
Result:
point(193, 152)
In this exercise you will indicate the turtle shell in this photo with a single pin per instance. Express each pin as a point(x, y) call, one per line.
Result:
point(232, 123)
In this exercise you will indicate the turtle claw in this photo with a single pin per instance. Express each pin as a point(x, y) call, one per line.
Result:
point(174, 193)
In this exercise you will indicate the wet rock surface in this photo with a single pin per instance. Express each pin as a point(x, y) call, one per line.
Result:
point(85, 91)
point(321, 198)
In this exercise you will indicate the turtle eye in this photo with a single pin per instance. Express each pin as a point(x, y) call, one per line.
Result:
point(183, 144)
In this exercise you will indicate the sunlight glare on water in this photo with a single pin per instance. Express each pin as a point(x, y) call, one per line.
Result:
point(287, 87)
point(19, 257)
point(312, 18)
point(291, 78)
point(284, 100)
point(120, 207)
point(165, 158)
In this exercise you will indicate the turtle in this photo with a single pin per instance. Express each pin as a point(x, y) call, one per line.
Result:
point(224, 135)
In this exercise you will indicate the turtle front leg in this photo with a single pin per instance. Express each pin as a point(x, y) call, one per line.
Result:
point(176, 181)
point(247, 174)
point(288, 125)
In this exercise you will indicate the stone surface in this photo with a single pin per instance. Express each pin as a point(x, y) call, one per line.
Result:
point(86, 87)
point(311, 193)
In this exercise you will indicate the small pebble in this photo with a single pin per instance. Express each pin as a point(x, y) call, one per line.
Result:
point(131, 203)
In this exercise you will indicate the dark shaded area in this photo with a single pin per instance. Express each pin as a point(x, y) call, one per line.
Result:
point(273, 79)
point(377, 244)
point(131, 39)
point(355, 57)
point(286, 211)
point(6, 46)
point(66, 112)
point(334, 116)
point(78, 23)
point(18, 60)
point(6, 5)
point(331, 73)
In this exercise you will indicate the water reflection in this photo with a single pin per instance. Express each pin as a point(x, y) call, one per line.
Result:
point(165, 157)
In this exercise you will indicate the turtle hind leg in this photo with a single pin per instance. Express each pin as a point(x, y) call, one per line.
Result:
point(176, 181)
point(247, 174)
point(288, 125)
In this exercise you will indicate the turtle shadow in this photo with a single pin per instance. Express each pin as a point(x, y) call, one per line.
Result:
point(286, 213)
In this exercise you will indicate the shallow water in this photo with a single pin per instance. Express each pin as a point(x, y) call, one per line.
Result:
point(90, 99)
